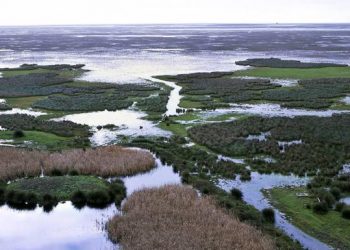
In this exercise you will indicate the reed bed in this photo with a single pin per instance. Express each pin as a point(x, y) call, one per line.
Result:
point(174, 217)
point(103, 161)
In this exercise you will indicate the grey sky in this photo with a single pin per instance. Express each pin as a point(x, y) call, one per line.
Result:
point(29, 12)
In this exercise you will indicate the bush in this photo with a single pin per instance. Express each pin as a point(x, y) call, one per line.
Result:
point(48, 202)
point(320, 207)
point(346, 213)
point(21, 200)
point(118, 191)
point(237, 194)
point(73, 172)
point(2, 196)
point(268, 215)
point(18, 134)
point(339, 206)
point(336, 192)
point(56, 172)
point(78, 199)
point(98, 199)
point(185, 176)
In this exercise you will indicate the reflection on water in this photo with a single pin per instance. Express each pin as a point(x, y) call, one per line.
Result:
point(127, 122)
point(162, 175)
point(65, 227)
point(252, 195)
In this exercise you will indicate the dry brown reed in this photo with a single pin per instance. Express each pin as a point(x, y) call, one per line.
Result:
point(174, 217)
point(103, 161)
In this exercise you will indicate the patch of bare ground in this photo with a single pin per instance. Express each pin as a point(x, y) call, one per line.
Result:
point(174, 217)
point(103, 161)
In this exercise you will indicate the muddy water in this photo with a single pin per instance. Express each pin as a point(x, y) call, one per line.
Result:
point(252, 195)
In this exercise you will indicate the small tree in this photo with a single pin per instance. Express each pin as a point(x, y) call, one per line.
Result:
point(237, 194)
point(346, 213)
point(268, 215)
point(18, 134)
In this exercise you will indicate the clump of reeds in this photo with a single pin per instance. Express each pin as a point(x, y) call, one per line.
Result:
point(103, 161)
point(174, 217)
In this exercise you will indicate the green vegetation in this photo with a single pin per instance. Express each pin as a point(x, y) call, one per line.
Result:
point(66, 134)
point(215, 90)
point(324, 145)
point(61, 187)
point(279, 63)
point(40, 139)
point(295, 73)
point(23, 102)
point(175, 128)
point(330, 227)
point(48, 191)
point(55, 88)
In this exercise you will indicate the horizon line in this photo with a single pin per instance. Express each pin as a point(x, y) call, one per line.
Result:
point(185, 23)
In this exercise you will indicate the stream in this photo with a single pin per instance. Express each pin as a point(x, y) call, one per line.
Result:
point(252, 194)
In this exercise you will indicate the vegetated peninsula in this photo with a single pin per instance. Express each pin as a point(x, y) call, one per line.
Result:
point(279, 63)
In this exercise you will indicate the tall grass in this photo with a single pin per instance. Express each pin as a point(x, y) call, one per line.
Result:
point(103, 161)
point(174, 217)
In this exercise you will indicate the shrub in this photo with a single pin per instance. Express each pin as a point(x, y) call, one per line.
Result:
point(18, 134)
point(237, 194)
point(48, 202)
point(78, 199)
point(339, 206)
point(346, 213)
point(32, 199)
point(335, 192)
point(320, 207)
point(118, 191)
point(185, 176)
point(56, 172)
point(73, 172)
point(268, 215)
point(98, 199)
point(329, 199)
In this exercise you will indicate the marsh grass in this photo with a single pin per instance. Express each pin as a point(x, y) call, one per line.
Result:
point(104, 161)
point(174, 217)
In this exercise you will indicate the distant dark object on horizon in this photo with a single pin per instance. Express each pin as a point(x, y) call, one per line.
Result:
point(279, 63)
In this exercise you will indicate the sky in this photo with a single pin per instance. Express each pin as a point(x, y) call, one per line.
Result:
point(56, 12)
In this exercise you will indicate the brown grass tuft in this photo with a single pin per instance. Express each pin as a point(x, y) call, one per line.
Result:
point(174, 217)
point(103, 161)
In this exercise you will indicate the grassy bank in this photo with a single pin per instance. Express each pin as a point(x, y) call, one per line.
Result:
point(62, 187)
point(330, 228)
point(296, 73)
